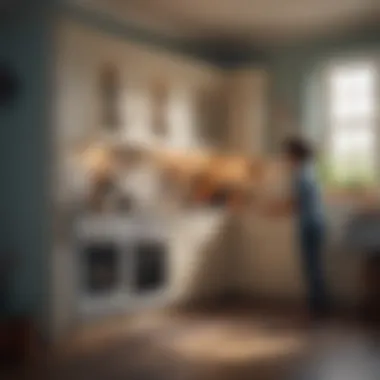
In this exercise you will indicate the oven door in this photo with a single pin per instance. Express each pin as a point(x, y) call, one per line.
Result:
point(150, 267)
point(104, 276)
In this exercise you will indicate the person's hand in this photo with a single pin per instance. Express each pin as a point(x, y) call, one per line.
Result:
point(275, 209)
point(267, 209)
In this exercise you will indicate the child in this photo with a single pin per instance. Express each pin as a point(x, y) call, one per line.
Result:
point(306, 204)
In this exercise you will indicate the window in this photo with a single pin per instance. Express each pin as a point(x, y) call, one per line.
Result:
point(351, 144)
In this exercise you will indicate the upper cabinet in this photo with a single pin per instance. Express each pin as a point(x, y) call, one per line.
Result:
point(116, 90)
point(121, 92)
point(246, 95)
point(110, 93)
point(211, 117)
point(160, 103)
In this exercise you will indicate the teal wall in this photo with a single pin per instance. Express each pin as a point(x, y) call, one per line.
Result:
point(24, 131)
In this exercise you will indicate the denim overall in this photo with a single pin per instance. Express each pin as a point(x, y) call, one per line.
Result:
point(311, 234)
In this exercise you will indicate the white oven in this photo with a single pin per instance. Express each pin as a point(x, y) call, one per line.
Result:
point(123, 264)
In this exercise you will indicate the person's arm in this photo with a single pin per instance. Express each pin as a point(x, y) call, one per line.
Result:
point(288, 206)
point(281, 208)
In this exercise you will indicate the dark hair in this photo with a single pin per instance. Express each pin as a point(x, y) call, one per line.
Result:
point(298, 149)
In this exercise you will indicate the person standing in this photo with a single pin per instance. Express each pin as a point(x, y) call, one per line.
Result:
point(307, 206)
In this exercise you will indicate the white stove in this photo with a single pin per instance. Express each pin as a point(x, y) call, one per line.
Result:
point(122, 262)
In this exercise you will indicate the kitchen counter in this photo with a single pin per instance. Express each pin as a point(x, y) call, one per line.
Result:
point(168, 225)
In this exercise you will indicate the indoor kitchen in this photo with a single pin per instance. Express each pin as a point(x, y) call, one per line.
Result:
point(139, 141)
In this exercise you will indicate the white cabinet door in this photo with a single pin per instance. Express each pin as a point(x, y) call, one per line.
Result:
point(247, 102)
point(270, 261)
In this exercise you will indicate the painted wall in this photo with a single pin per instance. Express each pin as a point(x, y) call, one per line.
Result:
point(24, 150)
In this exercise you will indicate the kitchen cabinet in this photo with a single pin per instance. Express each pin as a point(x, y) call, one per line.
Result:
point(269, 258)
point(212, 116)
point(246, 92)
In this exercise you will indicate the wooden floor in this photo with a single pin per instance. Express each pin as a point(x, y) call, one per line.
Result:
point(233, 344)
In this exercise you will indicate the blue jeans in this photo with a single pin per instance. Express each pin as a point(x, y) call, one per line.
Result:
point(312, 237)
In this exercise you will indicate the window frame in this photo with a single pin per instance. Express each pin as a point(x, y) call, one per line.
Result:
point(326, 120)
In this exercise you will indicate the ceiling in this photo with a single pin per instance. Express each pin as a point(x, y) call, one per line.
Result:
point(253, 21)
